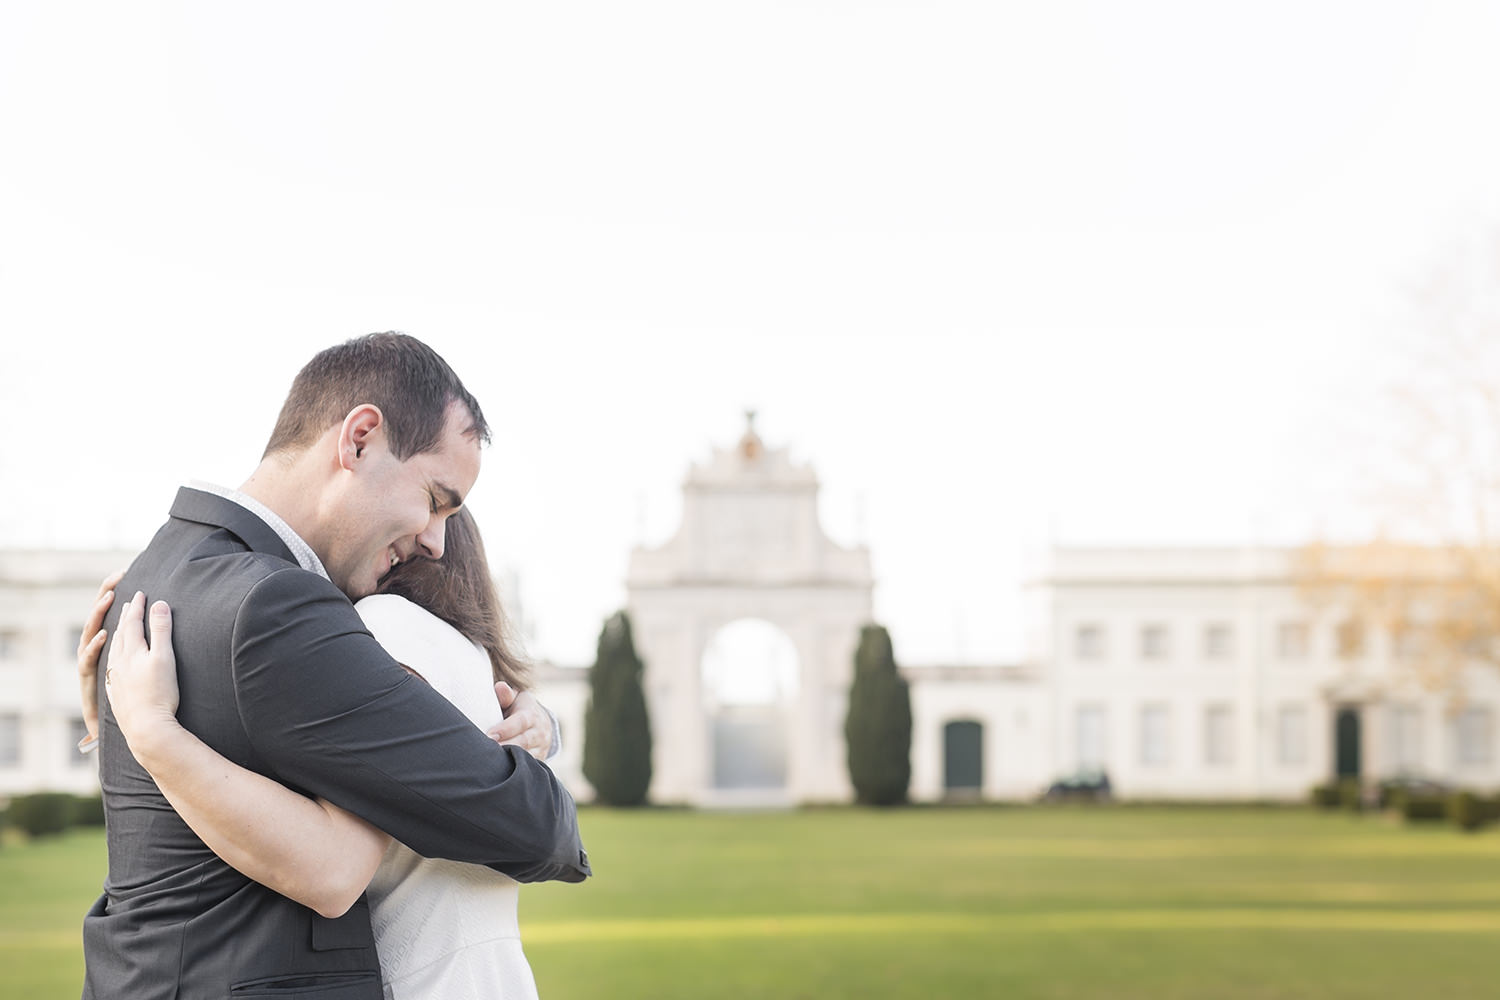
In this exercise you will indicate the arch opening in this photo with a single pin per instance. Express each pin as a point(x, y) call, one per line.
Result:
point(750, 677)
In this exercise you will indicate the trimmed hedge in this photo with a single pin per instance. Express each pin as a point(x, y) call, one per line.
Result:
point(617, 723)
point(1325, 796)
point(1344, 794)
point(1415, 808)
point(1469, 810)
point(877, 728)
point(88, 810)
point(42, 814)
point(1466, 810)
point(1351, 795)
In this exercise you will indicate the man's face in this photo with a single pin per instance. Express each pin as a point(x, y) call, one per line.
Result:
point(391, 511)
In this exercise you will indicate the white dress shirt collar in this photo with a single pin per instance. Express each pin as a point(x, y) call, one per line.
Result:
point(301, 551)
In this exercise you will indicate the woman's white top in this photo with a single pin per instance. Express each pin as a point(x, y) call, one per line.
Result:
point(444, 930)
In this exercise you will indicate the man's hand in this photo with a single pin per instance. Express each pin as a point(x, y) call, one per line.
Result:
point(527, 724)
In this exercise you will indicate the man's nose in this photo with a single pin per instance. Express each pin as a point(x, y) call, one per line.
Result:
point(431, 540)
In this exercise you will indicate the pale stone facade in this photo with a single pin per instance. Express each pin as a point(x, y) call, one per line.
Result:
point(44, 595)
point(1204, 673)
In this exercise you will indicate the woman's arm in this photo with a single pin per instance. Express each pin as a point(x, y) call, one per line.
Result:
point(308, 850)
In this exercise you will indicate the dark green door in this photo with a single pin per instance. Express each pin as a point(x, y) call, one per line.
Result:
point(1346, 743)
point(963, 757)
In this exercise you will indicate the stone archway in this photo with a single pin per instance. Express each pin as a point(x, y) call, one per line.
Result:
point(750, 546)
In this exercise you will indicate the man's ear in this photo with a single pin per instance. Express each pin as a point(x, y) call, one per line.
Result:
point(364, 425)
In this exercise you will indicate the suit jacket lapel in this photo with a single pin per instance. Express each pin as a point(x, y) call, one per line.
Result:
point(216, 511)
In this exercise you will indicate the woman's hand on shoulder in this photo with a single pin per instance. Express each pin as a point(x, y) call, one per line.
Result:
point(90, 645)
point(526, 724)
point(141, 679)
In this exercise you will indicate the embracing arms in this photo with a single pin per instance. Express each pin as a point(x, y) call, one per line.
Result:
point(307, 849)
point(303, 847)
point(328, 711)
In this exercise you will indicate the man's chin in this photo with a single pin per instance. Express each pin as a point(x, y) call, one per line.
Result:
point(379, 585)
point(355, 589)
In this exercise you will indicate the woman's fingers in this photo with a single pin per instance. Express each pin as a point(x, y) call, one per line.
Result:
point(161, 626)
point(141, 680)
point(89, 648)
point(128, 636)
point(130, 626)
point(88, 689)
point(95, 621)
point(110, 582)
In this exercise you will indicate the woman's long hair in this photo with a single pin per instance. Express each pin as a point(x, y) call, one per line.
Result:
point(459, 590)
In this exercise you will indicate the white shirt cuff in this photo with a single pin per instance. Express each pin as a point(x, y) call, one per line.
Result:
point(557, 742)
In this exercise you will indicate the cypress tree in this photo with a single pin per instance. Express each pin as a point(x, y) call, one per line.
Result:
point(617, 729)
point(878, 727)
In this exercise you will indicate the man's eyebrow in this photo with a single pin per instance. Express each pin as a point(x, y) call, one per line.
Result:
point(447, 496)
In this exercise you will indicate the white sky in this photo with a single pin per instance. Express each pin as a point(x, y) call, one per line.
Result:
point(1006, 274)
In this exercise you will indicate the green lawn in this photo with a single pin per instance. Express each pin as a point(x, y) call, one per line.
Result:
point(974, 902)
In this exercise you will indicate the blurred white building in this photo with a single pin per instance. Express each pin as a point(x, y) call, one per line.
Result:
point(1204, 673)
point(44, 596)
point(1182, 673)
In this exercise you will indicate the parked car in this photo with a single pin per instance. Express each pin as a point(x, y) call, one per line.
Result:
point(1408, 785)
point(1085, 786)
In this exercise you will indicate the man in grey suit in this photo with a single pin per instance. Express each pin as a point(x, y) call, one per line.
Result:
point(377, 444)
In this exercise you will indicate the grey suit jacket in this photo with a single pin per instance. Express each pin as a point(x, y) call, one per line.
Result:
point(278, 674)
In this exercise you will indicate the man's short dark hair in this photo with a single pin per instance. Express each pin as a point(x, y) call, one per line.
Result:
point(408, 380)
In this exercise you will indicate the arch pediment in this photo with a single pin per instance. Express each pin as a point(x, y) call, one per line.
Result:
point(750, 517)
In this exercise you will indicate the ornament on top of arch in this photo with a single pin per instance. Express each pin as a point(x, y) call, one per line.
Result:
point(751, 446)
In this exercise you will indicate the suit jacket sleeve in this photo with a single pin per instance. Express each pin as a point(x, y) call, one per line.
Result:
point(329, 711)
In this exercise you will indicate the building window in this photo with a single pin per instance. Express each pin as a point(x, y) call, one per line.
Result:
point(1291, 735)
point(1472, 729)
point(1155, 749)
point(10, 645)
point(10, 739)
point(1155, 642)
point(1090, 735)
point(1218, 642)
point(1406, 739)
point(1351, 640)
point(1291, 640)
point(1089, 642)
point(1218, 735)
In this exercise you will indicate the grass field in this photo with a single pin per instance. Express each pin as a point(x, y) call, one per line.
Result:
point(980, 902)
